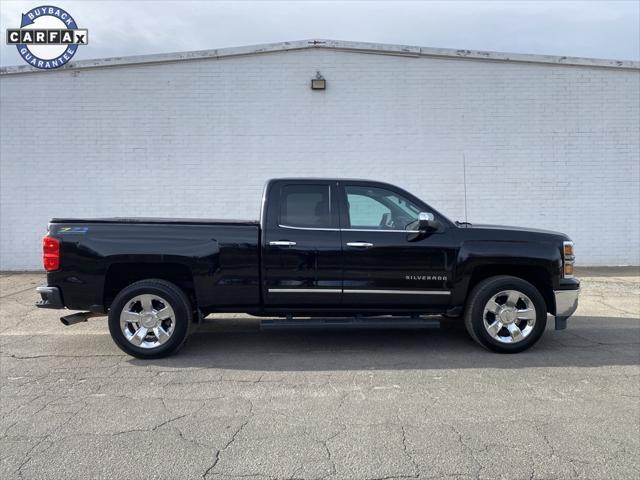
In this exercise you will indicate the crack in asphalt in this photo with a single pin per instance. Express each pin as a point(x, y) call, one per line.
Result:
point(27, 458)
point(31, 288)
point(602, 299)
point(325, 444)
point(152, 429)
point(468, 449)
point(233, 438)
point(416, 468)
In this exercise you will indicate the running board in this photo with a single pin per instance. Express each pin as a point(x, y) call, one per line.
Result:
point(74, 318)
point(349, 323)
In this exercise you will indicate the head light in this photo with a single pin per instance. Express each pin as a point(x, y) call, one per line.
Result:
point(568, 249)
point(568, 259)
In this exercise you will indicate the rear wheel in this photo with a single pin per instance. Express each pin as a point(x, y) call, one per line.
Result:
point(150, 319)
point(506, 314)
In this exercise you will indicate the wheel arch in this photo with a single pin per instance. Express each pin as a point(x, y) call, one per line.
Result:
point(120, 275)
point(536, 275)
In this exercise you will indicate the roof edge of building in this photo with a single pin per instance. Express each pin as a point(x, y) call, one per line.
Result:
point(361, 47)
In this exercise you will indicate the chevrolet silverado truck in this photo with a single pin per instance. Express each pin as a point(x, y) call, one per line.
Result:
point(322, 248)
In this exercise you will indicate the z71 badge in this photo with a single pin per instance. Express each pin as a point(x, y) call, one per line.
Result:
point(73, 230)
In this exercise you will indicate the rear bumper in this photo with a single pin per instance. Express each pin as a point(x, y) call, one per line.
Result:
point(566, 305)
point(50, 297)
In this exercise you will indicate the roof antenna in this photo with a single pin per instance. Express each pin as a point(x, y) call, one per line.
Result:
point(464, 183)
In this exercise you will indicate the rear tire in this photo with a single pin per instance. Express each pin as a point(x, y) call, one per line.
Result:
point(150, 319)
point(505, 314)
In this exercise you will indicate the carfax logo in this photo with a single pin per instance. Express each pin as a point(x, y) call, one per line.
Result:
point(48, 37)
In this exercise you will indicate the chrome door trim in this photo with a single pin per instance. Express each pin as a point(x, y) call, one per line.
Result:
point(400, 292)
point(374, 230)
point(346, 229)
point(359, 244)
point(282, 243)
point(338, 290)
point(310, 228)
point(305, 290)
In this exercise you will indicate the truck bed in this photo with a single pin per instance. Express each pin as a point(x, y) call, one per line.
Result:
point(217, 259)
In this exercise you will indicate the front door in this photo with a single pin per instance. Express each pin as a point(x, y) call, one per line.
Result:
point(386, 264)
point(302, 250)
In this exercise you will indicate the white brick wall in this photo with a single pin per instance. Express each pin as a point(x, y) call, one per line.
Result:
point(547, 146)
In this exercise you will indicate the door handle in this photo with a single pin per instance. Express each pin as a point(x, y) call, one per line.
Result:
point(359, 244)
point(282, 243)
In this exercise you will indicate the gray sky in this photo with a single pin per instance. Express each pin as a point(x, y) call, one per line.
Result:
point(602, 29)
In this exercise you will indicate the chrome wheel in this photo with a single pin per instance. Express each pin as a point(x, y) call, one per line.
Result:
point(147, 321)
point(509, 316)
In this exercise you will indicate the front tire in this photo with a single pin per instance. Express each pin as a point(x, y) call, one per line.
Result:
point(505, 314)
point(150, 319)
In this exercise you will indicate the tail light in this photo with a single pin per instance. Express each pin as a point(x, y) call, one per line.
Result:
point(50, 253)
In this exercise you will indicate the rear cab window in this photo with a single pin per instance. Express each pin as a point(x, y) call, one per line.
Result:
point(306, 206)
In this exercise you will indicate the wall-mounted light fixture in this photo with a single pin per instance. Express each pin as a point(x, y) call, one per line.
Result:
point(318, 83)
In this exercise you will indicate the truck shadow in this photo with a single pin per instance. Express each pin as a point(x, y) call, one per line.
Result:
point(240, 345)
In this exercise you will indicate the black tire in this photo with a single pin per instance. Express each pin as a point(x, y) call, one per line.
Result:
point(168, 292)
point(480, 296)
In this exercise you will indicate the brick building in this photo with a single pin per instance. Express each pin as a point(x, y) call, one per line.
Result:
point(540, 141)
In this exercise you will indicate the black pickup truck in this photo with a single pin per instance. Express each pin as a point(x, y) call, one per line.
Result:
point(322, 248)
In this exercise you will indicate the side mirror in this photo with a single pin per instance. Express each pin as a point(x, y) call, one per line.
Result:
point(427, 221)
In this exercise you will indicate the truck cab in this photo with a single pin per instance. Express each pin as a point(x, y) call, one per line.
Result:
point(354, 245)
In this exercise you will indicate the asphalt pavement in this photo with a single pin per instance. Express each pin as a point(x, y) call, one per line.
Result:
point(238, 403)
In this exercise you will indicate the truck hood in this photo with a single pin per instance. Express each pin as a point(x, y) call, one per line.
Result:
point(504, 230)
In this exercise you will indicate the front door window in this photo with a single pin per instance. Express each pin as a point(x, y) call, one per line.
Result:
point(374, 208)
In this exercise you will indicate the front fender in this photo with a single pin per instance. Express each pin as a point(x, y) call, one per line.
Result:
point(488, 258)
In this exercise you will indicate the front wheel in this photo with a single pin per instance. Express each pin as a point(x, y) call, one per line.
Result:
point(150, 319)
point(505, 314)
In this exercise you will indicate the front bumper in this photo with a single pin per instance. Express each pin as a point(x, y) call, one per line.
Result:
point(566, 305)
point(51, 297)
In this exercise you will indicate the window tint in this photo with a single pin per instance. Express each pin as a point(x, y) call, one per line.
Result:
point(364, 211)
point(305, 206)
point(379, 209)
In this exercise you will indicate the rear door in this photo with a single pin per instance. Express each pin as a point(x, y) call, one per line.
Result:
point(386, 265)
point(302, 252)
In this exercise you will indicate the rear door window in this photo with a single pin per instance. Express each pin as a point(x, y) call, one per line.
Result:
point(305, 206)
